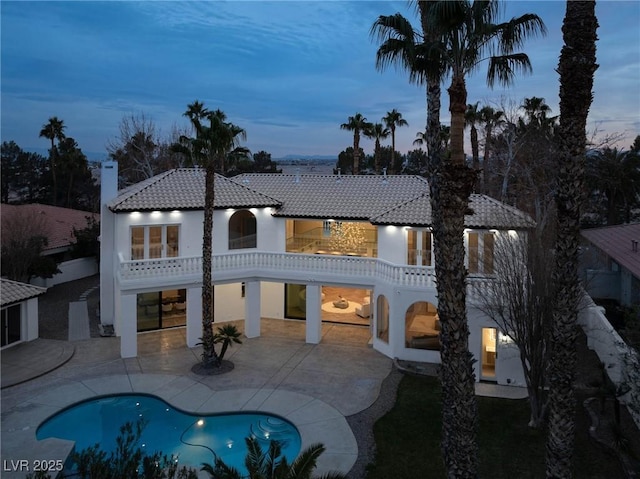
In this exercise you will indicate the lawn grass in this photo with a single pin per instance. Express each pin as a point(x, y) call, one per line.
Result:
point(408, 439)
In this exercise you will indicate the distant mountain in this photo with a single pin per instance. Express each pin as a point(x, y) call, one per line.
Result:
point(322, 158)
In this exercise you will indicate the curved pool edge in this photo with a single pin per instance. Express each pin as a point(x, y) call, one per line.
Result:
point(317, 421)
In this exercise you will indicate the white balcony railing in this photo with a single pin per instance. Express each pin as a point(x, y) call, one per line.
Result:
point(286, 266)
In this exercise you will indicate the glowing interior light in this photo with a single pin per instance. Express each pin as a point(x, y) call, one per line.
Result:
point(200, 422)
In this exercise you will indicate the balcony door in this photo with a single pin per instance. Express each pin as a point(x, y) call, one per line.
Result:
point(155, 241)
point(419, 248)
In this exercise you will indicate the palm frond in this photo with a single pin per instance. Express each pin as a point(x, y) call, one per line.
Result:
point(221, 470)
point(503, 69)
point(305, 463)
point(254, 459)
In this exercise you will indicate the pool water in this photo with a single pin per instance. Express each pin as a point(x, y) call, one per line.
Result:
point(192, 438)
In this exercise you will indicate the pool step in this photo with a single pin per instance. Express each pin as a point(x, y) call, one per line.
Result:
point(272, 429)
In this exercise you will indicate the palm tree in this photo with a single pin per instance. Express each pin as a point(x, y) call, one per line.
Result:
point(442, 139)
point(491, 118)
point(471, 119)
point(271, 464)
point(357, 124)
point(377, 132)
point(54, 130)
point(392, 120)
point(535, 110)
point(460, 34)
point(577, 66)
point(212, 142)
point(227, 335)
point(615, 174)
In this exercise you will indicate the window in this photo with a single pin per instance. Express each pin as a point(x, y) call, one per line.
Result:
point(242, 230)
point(480, 247)
point(419, 246)
point(157, 241)
point(422, 326)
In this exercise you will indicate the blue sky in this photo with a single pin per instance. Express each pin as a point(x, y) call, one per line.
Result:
point(288, 72)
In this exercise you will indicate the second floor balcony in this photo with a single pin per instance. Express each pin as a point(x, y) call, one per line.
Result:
point(282, 267)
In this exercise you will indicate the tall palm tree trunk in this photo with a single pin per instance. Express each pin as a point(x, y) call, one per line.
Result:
point(393, 150)
point(475, 152)
point(433, 124)
point(209, 357)
point(356, 153)
point(450, 188)
point(577, 66)
point(53, 156)
point(457, 107)
point(486, 162)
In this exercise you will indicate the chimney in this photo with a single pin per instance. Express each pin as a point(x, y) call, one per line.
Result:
point(297, 180)
point(339, 178)
point(634, 246)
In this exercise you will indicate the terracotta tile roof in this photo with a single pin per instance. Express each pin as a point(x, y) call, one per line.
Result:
point(616, 242)
point(183, 189)
point(396, 200)
point(13, 292)
point(58, 222)
point(488, 213)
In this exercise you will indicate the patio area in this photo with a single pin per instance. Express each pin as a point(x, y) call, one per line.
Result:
point(277, 372)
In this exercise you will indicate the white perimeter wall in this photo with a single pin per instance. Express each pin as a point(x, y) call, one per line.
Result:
point(70, 271)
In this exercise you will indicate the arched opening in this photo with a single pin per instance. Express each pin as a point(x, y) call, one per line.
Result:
point(383, 318)
point(242, 230)
point(422, 326)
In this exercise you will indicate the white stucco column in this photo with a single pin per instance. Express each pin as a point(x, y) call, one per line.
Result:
point(314, 315)
point(252, 309)
point(128, 326)
point(108, 263)
point(30, 311)
point(194, 316)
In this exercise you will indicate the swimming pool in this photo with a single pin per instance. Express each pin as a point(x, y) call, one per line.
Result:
point(192, 438)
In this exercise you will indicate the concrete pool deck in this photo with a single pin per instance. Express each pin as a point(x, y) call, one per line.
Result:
point(314, 386)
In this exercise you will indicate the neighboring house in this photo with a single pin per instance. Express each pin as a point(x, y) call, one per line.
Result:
point(612, 263)
point(19, 309)
point(57, 225)
point(280, 243)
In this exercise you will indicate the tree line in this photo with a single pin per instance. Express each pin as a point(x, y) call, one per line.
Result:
point(63, 179)
point(512, 151)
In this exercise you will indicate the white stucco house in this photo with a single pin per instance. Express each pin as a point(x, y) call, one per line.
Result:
point(18, 312)
point(307, 248)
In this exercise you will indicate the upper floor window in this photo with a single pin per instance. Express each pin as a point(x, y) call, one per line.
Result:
point(242, 230)
point(419, 248)
point(480, 252)
point(155, 241)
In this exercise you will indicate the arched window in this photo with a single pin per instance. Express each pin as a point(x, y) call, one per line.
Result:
point(422, 326)
point(242, 230)
point(383, 318)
